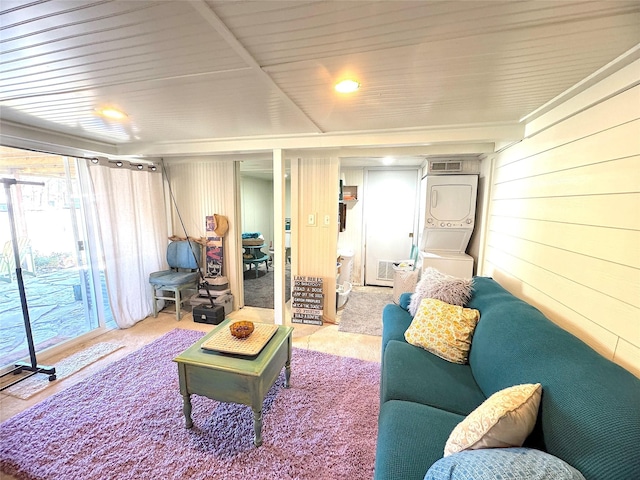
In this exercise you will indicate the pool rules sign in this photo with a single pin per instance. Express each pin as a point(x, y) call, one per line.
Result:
point(308, 300)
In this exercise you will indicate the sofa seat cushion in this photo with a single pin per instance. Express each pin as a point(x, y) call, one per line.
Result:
point(502, 463)
point(172, 278)
point(413, 374)
point(411, 438)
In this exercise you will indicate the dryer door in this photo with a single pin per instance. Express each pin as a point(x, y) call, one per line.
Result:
point(453, 203)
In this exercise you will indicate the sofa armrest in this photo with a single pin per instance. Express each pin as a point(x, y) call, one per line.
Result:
point(395, 321)
point(405, 300)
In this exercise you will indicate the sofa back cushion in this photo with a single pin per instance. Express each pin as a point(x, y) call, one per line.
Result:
point(589, 414)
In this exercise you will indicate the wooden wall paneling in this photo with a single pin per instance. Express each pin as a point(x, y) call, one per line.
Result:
point(600, 338)
point(619, 141)
point(613, 211)
point(620, 282)
point(203, 187)
point(609, 244)
point(318, 182)
point(614, 83)
point(563, 228)
point(280, 192)
point(628, 356)
point(620, 109)
point(613, 176)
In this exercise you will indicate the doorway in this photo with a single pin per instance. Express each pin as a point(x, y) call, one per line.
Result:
point(390, 221)
point(64, 299)
point(257, 218)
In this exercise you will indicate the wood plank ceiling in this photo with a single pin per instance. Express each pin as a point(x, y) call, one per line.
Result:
point(190, 71)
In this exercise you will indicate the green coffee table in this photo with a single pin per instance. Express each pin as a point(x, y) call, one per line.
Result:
point(234, 378)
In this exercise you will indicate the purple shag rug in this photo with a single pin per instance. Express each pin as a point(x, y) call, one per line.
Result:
point(126, 422)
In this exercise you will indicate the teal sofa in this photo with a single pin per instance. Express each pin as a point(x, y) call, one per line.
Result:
point(589, 415)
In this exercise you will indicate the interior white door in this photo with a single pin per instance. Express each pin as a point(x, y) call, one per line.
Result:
point(390, 222)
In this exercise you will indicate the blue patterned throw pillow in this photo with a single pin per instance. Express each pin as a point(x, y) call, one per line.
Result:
point(502, 464)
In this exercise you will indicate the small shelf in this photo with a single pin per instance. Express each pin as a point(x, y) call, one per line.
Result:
point(350, 193)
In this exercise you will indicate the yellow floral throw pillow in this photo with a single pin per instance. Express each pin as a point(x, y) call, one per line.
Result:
point(444, 330)
point(505, 419)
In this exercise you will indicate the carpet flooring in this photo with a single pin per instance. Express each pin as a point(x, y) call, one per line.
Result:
point(126, 422)
point(258, 292)
point(363, 311)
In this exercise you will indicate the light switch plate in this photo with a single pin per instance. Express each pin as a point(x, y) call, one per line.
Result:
point(311, 220)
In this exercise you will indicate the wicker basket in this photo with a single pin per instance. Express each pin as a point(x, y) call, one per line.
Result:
point(241, 329)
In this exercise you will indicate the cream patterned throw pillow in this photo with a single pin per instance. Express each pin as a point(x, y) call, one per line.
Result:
point(505, 419)
point(442, 329)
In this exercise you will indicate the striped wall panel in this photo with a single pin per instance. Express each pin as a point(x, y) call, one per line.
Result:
point(563, 226)
point(203, 187)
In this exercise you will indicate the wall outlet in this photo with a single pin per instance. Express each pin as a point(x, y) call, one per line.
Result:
point(311, 220)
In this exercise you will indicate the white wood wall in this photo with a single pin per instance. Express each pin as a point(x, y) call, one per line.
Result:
point(563, 226)
point(202, 187)
point(257, 207)
point(314, 189)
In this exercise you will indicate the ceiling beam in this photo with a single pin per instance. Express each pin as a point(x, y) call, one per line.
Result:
point(418, 138)
point(218, 25)
point(32, 138)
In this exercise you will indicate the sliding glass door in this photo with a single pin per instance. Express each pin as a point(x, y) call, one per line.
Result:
point(58, 256)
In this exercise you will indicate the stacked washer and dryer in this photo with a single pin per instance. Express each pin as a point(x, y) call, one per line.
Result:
point(449, 220)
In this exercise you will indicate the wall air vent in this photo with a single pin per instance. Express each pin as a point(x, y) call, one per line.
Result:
point(385, 270)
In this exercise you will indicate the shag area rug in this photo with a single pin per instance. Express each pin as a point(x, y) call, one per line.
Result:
point(64, 368)
point(363, 311)
point(126, 422)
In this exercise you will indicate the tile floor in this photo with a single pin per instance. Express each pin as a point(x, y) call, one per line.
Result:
point(324, 338)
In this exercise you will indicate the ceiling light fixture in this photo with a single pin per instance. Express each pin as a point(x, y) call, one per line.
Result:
point(112, 113)
point(347, 86)
point(119, 163)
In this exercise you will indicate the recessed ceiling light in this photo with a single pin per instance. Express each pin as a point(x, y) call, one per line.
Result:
point(112, 113)
point(347, 86)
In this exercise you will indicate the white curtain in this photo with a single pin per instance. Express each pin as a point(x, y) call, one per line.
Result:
point(133, 229)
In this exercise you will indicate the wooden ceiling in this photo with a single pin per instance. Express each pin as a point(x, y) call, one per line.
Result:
point(192, 74)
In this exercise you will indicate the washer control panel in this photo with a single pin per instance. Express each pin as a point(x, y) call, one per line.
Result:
point(431, 223)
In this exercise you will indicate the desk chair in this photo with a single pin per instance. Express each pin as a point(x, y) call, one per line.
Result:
point(183, 274)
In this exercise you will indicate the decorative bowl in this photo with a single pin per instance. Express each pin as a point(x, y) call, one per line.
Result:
point(241, 329)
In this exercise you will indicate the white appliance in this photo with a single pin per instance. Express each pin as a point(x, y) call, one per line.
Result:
point(450, 211)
